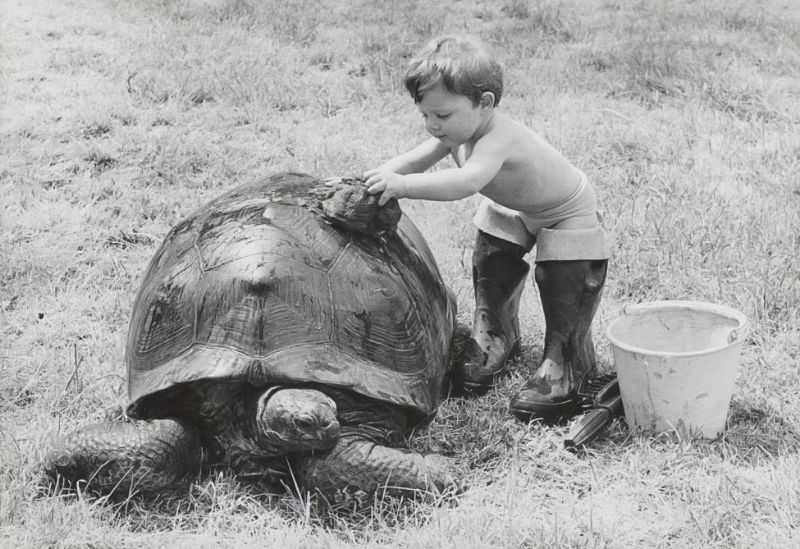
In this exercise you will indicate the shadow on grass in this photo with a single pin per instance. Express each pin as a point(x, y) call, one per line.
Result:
point(754, 434)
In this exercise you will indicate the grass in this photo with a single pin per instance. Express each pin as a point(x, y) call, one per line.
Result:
point(119, 118)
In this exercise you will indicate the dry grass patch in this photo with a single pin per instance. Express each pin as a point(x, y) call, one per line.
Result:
point(120, 118)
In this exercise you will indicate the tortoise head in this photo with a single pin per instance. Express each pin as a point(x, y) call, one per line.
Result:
point(297, 420)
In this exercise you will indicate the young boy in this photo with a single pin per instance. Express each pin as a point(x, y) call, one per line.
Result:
point(533, 196)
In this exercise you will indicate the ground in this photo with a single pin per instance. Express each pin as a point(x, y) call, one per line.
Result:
point(119, 118)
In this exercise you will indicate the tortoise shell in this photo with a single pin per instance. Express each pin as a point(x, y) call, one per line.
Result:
point(259, 285)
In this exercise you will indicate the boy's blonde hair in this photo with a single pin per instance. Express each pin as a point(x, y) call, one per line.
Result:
point(462, 64)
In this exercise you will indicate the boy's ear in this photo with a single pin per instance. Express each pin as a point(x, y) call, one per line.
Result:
point(487, 100)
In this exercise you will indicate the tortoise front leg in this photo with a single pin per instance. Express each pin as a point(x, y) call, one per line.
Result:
point(122, 458)
point(356, 463)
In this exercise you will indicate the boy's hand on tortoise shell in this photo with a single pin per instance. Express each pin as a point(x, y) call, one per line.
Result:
point(389, 184)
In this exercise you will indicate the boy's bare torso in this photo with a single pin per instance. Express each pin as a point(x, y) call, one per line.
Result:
point(534, 175)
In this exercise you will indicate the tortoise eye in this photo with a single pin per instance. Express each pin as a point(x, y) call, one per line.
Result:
point(304, 424)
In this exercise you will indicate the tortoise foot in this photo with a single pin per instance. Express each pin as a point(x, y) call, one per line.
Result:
point(358, 465)
point(123, 458)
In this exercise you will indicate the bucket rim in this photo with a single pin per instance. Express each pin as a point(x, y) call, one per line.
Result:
point(737, 335)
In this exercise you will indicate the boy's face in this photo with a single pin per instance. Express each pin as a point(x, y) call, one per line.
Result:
point(449, 117)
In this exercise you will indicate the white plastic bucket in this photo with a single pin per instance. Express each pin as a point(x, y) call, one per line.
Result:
point(677, 363)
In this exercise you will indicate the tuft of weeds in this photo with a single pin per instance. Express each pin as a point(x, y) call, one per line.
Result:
point(99, 161)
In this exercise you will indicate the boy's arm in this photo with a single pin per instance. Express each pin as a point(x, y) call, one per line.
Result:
point(418, 159)
point(449, 184)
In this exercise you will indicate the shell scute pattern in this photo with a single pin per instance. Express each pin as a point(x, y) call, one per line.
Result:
point(164, 316)
point(259, 285)
point(378, 317)
point(257, 319)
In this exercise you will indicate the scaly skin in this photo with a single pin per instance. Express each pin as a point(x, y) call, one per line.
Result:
point(118, 458)
point(220, 426)
point(367, 457)
point(359, 464)
point(153, 456)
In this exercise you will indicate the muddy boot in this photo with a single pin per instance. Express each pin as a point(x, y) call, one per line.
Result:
point(498, 275)
point(570, 292)
point(570, 273)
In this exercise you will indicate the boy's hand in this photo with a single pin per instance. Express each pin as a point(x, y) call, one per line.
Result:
point(389, 184)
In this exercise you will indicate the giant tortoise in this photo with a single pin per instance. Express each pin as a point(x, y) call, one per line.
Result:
point(289, 326)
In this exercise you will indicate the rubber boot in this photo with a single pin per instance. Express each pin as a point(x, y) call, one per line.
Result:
point(498, 275)
point(570, 292)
